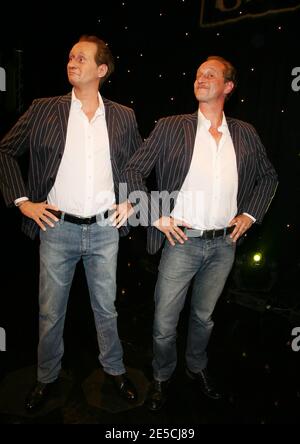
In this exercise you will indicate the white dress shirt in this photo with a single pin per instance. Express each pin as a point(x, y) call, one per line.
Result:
point(84, 183)
point(208, 197)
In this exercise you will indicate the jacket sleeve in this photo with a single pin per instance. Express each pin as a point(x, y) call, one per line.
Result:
point(13, 145)
point(138, 169)
point(134, 137)
point(266, 182)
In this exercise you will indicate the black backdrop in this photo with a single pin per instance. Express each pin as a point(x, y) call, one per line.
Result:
point(158, 46)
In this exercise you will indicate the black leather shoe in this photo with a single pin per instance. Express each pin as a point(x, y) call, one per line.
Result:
point(37, 396)
point(157, 395)
point(205, 383)
point(124, 387)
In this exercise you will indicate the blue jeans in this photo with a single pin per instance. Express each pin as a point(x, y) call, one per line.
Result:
point(61, 248)
point(208, 262)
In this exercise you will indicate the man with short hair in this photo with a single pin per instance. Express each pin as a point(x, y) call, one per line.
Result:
point(78, 143)
point(224, 183)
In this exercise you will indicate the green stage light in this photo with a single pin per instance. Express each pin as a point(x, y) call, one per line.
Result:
point(257, 258)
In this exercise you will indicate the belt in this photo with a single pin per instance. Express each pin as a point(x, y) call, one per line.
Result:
point(208, 234)
point(77, 220)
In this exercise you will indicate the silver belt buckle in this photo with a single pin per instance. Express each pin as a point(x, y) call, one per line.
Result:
point(194, 232)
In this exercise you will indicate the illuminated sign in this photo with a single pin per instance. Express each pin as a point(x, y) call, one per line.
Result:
point(219, 12)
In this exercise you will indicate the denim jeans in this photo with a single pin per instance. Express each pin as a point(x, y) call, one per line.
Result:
point(61, 248)
point(208, 262)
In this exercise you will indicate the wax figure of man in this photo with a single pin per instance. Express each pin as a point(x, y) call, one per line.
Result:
point(224, 183)
point(78, 144)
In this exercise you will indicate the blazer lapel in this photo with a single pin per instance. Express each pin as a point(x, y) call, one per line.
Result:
point(235, 140)
point(190, 129)
point(63, 112)
point(110, 123)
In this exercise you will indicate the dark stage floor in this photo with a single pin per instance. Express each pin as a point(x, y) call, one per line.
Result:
point(250, 352)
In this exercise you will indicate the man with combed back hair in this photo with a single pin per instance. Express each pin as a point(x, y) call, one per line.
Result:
point(78, 144)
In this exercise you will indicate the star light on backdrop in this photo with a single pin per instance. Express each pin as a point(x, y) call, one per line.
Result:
point(168, 75)
point(157, 49)
point(174, 74)
point(160, 59)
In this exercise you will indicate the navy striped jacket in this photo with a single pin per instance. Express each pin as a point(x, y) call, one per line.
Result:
point(170, 149)
point(42, 130)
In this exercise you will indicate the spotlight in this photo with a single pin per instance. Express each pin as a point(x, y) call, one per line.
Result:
point(257, 259)
point(254, 270)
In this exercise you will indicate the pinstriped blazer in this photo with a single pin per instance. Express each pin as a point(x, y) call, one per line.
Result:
point(42, 130)
point(170, 149)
